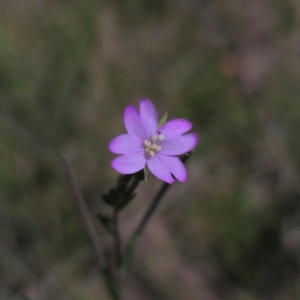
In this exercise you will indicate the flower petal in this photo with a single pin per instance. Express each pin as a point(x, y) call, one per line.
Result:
point(133, 123)
point(149, 117)
point(125, 144)
point(129, 163)
point(175, 127)
point(176, 167)
point(159, 169)
point(179, 144)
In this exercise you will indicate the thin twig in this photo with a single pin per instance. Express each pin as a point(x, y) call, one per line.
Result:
point(84, 213)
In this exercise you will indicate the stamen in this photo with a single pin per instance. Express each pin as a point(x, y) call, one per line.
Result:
point(152, 147)
point(147, 143)
point(151, 152)
point(161, 137)
point(154, 138)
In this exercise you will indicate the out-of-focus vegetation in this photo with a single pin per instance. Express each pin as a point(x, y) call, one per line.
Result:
point(67, 71)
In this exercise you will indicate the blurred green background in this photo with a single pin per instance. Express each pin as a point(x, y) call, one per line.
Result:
point(67, 71)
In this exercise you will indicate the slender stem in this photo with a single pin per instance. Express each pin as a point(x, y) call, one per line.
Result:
point(118, 253)
point(130, 247)
point(118, 245)
point(84, 213)
point(151, 209)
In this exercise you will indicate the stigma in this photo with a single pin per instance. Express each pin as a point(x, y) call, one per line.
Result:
point(151, 147)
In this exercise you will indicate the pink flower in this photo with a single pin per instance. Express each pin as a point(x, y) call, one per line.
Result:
point(146, 143)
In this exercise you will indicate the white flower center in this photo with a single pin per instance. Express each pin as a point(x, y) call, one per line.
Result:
point(151, 147)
